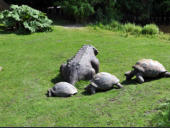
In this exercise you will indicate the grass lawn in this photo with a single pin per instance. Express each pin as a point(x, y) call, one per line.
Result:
point(31, 66)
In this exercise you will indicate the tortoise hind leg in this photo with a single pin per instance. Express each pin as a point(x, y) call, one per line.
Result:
point(129, 75)
point(92, 90)
point(140, 78)
point(167, 74)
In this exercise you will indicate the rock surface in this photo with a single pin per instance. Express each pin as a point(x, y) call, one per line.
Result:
point(83, 66)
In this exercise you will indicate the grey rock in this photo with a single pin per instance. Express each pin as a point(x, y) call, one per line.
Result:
point(83, 66)
point(62, 89)
point(147, 68)
point(103, 81)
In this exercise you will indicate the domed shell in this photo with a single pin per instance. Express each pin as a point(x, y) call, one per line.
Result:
point(104, 80)
point(62, 89)
point(149, 67)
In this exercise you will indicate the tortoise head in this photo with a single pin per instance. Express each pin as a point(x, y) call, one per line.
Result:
point(49, 93)
point(94, 49)
point(90, 89)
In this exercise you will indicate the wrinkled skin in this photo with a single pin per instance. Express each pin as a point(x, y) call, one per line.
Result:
point(83, 66)
point(147, 68)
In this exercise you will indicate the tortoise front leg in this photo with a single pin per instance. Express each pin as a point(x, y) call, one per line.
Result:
point(139, 78)
point(129, 74)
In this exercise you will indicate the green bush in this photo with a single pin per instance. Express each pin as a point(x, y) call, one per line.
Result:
point(150, 29)
point(129, 28)
point(25, 18)
point(85, 10)
point(132, 28)
point(115, 25)
point(78, 10)
point(137, 29)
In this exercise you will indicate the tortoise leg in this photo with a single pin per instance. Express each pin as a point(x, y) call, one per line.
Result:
point(119, 85)
point(139, 77)
point(129, 74)
point(167, 74)
point(49, 93)
point(92, 90)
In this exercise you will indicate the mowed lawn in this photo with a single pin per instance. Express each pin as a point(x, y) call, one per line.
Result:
point(31, 66)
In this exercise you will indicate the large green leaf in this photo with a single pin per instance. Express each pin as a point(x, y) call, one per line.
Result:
point(25, 18)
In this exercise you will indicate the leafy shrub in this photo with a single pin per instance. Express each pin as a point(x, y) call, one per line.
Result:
point(115, 25)
point(85, 10)
point(137, 29)
point(132, 28)
point(127, 28)
point(25, 18)
point(78, 10)
point(105, 10)
point(150, 29)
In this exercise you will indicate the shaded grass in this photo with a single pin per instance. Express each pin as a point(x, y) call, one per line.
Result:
point(31, 66)
point(162, 119)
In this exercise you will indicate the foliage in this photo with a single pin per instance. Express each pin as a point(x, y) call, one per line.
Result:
point(104, 10)
point(166, 3)
point(83, 10)
point(37, 4)
point(78, 10)
point(132, 28)
point(116, 25)
point(25, 18)
point(150, 29)
point(141, 9)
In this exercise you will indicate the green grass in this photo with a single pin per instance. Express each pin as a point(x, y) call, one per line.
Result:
point(31, 62)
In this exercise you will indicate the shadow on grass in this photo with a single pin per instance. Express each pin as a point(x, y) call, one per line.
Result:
point(134, 81)
point(54, 81)
point(129, 82)
point(3, 31)
point(57, 79)
point(97, 91)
